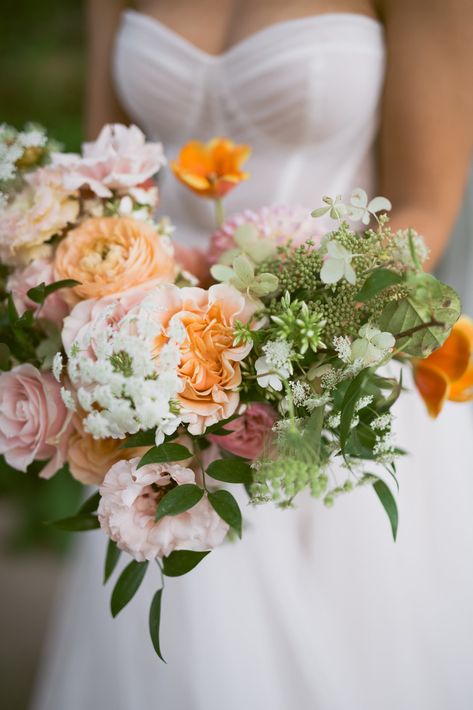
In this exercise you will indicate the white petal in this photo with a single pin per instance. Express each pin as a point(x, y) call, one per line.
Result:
point(359, 198)
point(379, 204)
point(332, 271)
point(320, 211)
point(221, 272)
point(386, 341)
point(349, 273)
point(359, 348)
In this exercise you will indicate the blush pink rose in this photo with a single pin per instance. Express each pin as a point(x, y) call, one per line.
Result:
point(127, 509)
point(250, 431)
point(21, 280)
point(34, 422)
point(119, 159)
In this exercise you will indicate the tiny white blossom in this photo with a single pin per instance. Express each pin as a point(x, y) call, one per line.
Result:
point(363, 402)
point(176, 329)
point(342, 345)
point(279, 353)
point(372, 345)
point(337, 265)
point(334, 421)
point(125, 206)
point(32, 139)
point(68, 399)
point(57, 366)
point(300, 392)
point(85, 399)
point(268, 375)
point(382, 422)
point(361, 209)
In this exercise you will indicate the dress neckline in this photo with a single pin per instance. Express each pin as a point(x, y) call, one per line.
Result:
point(179, 40)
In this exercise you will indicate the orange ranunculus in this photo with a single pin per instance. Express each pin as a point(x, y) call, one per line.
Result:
point(211, 169)
point(110, 255)
point(447, 374)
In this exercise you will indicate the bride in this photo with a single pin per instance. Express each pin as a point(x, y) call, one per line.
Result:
point(315, 609)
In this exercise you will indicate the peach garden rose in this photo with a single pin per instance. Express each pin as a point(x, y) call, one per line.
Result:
point(113, 254)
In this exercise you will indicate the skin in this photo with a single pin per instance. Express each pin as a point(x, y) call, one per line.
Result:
point(426, 133)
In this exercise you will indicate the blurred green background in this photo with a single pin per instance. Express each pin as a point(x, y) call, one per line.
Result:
point(43, 66)
point(42, 79)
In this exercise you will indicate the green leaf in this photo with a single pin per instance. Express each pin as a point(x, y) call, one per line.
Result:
point(11, 310)
point(179, 499)
point(143, 438)
point(347, 410)
point(91, 504)
point(37, 293)
point(154, 622)
point(180, 562)
point(389, 504)
point(165, 454)
point(230, 471)
point(227, 508)
point(64, 283)
point(111, 559)
point(127, 585)
point(219, 426)
point(78, 523)
point(377, 281)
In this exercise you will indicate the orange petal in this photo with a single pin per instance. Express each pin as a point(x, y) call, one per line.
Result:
point(433, 387)
point(453, 357)
point(465, 324)
point(462, 389)
point(196, 158)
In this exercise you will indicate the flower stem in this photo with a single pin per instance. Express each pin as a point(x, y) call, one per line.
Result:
point(219, 216)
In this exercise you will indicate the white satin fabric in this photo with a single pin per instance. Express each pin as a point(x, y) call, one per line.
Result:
point(315, 609)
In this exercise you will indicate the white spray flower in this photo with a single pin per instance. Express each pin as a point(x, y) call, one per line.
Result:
point(337, 265)
point(269, 375)
point(361, 209)
point(372, 345)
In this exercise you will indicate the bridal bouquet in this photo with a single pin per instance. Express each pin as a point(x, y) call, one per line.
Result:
point(164, 377)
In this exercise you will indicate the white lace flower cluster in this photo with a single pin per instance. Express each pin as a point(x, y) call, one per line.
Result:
point(118, 383)
point(275, 365)
point(13, 145)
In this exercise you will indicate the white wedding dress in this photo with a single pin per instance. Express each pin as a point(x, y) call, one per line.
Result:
point(315, 609)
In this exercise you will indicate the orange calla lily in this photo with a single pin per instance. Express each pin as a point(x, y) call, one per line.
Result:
point(447, 374)
point(211, 169)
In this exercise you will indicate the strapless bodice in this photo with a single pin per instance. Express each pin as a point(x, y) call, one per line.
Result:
point(303, 93)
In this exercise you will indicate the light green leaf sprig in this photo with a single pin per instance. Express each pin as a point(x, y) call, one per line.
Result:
point(243, 277)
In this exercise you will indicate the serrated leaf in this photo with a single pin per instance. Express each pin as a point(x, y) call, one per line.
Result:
point(347, 410)
point(91, 504)
point(179, 499)
point(127, 585)
point(227, 508)
point(230, 471)
point(111, 559)
point(377, 281)
point(142, 438)
point(154, 622)
point(166, 453)
point(180, 562)
point(389, 504)
point(78, 523)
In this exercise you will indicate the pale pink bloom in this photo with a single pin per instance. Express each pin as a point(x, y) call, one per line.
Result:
point(42, 209)
point(192, 260)
point(209, 368)
point(119, 159)
point(99, 312)
point(34, 422)
point(251, 431)
point(278, 224)
point(127, 509)
point(21, 280)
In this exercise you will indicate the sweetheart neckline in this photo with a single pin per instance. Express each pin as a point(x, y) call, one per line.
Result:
point(320, 18)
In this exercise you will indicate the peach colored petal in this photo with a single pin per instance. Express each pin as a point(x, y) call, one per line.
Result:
point(453, 357)
point(462, 389)
point(433, 386)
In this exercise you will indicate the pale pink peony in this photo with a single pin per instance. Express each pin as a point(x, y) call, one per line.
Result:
point(42, 209)
point(127, 509)
point(97, 313)
point(21, 280)
point(278, 224)
point(119, 159)
point(250, 431)
point(34, 422)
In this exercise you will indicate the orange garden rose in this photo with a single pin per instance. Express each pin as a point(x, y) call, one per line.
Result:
point(211, 169)
point(89, 459)
point(110, 255)
point(447, 374)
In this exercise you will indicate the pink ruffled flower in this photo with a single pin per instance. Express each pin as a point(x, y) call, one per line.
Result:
point(127, 510)
point(250, 431)
point(34, 422)
point(21, 280)
point(42, 209)
point(278, 224)
point(119, 159)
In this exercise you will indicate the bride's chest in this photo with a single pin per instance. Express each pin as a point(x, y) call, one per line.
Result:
point(297, 82)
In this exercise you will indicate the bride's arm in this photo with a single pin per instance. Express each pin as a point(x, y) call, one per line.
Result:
point(103, 17)
point(426, 134)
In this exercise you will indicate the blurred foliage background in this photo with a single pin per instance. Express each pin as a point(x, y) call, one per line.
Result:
point(42, 80)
